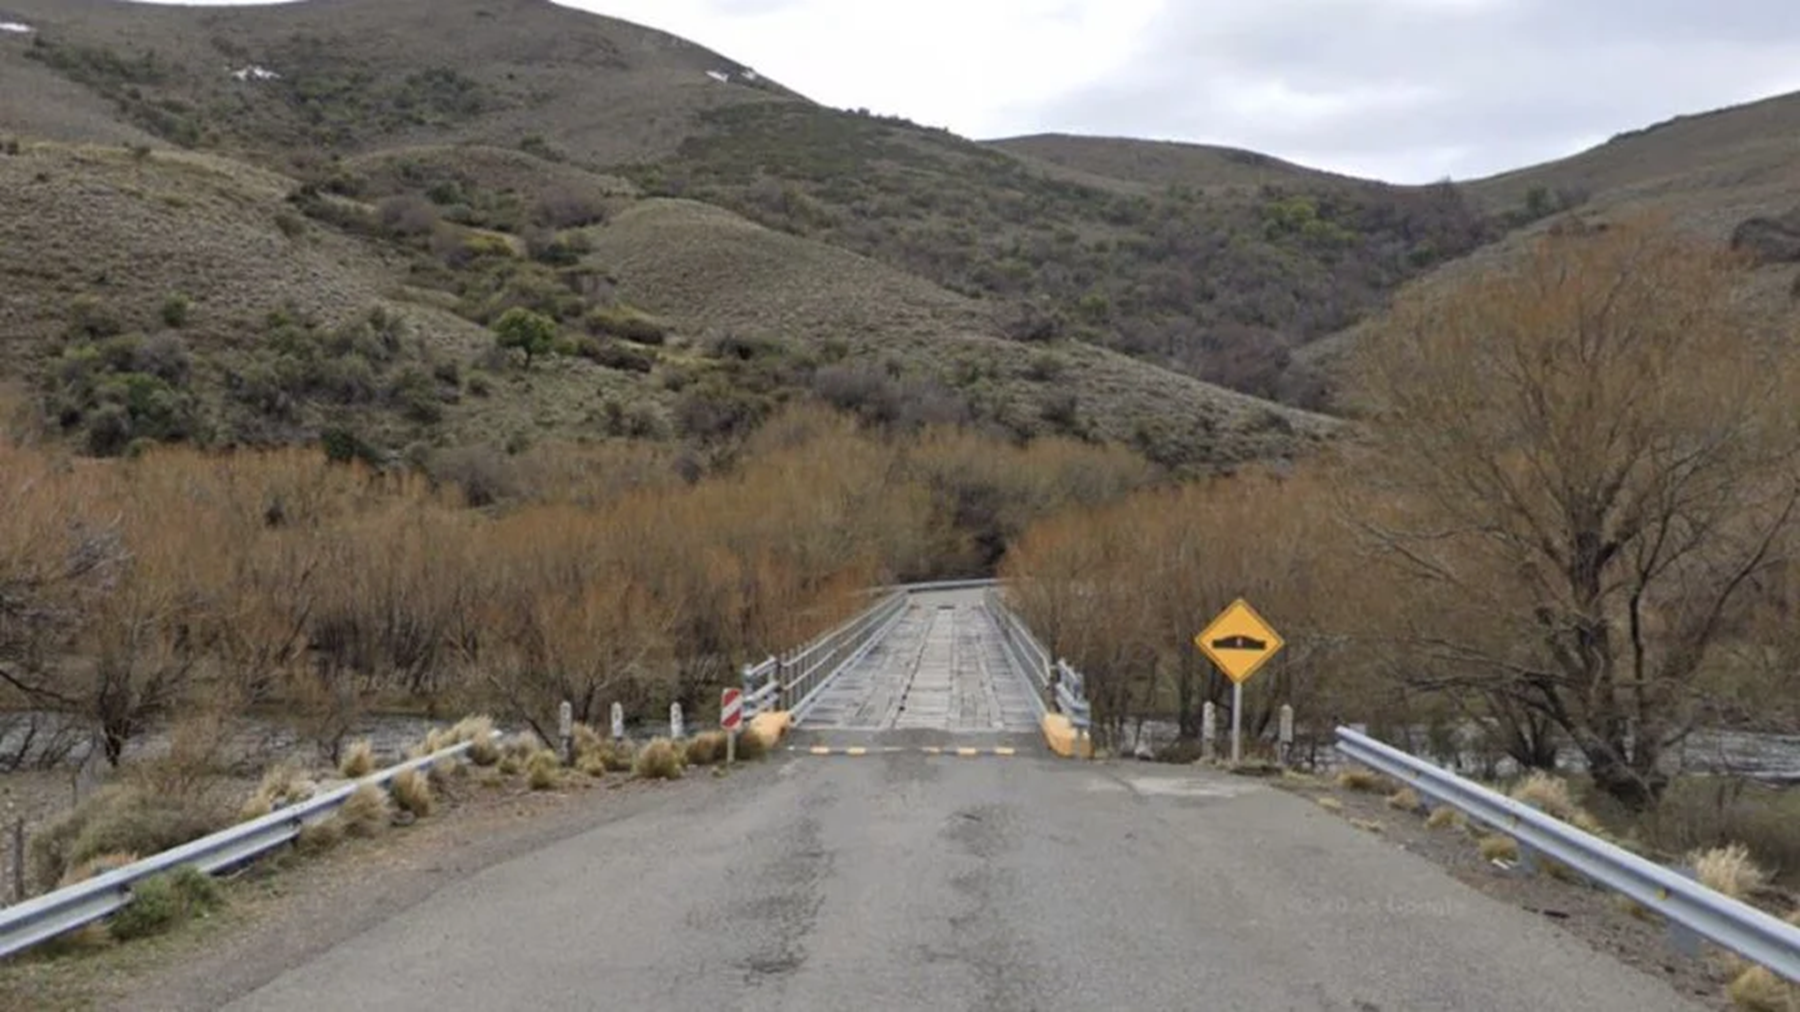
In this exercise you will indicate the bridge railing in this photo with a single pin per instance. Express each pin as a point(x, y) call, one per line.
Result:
point(1059, 687)
point(793, 680)
point(1745, 930)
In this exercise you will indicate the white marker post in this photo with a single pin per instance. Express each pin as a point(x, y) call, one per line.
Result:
point(565, 730)
point(618, 721)
point(1287, 734)
point(1209, 730)
point(675, 721)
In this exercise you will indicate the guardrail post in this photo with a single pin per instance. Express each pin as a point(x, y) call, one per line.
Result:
point(1287, 734)
point(1209, 730)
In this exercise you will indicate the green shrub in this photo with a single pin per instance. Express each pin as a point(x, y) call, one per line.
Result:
point(626, 323)
point(163, 901)
point(526, 330)
point(176, 309)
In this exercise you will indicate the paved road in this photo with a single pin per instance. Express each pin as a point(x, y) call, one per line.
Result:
point(905, 880)
point(910, 881)
point(940, 668)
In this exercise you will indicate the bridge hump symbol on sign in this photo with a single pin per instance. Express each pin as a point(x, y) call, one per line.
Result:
point(731, 709)
point(1239, 641)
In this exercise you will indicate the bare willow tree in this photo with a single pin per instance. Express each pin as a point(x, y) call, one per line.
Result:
point(1584, 461)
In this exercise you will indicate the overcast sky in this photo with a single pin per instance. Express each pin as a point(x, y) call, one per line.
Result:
point(1404, 90)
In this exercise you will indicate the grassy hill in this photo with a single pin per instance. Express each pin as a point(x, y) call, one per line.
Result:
point(258, 224)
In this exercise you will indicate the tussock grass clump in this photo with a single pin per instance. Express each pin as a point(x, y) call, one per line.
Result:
point(706, 749)
point(587, 741)
point(366, 812)
point(412, 792)
point(1550, 795)
point(1445, 818)
point(543, 771)
point(1358, 779)
point(120, 819)
point(1368, 825)
point(99, 864)
point(1632, 908)
point(163, 901)
point(1758, 989)
point(658, 760)
point(510, 765)
point(522, 746)
point(1329, 803)
point(285, 784)
point(592, 764)
point(752, 746)
point(479, 730)
point(1729, 870)
point(359, 760)
point(1406, 800)
point(255, 807)
point(319, 837)
point(1498, 848)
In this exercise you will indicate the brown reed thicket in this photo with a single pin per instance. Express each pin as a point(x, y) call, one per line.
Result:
point(130, 586)
point(1573, 503)
point(1120, 591)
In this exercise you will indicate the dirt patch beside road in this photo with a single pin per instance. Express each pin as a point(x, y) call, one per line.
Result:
point(1597, 916)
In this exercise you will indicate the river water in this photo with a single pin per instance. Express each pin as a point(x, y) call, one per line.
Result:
point(1768, 758)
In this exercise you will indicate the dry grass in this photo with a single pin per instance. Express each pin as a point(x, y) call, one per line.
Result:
point(120, 819)
point(1406, 800)
point(543, 771)
point(706, 749)
point(1729, 870)
point(658, 760)
point(1356, 778)
point(367, 812)
point(1757, 989)
point(319, 837)
point(359, 760)
point(479, 732)
point(592, 764)
point(586, 741)
point(1550, 795)
point(1445, 817)
point(1368, 825)
point(1498, 848)
point(412, 793)
point(1329, 803)
point(97, 865)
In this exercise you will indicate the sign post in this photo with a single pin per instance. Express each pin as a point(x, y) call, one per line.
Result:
point(731, 717)
point(1240, 643)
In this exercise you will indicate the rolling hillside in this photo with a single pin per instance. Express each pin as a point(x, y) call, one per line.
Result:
point(258, 224)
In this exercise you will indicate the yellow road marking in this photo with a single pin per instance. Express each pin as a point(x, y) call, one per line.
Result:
point(968, 751)
point(1006, 751)
point(820, 750)
point(856, 751)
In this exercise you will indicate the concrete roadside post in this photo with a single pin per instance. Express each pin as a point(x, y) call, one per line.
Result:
point(1287, 734)
point(674, 721)
point(565, 731)
point(1209, 730)
point(618, 722)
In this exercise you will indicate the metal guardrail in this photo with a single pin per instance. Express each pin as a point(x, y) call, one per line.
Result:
point(40, 918)
point(1735, 925)
point(792, 681)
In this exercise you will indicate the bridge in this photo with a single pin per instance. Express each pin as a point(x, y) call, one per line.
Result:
point(917, 846)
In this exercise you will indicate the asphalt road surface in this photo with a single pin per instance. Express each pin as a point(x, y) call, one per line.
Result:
point(905, 880)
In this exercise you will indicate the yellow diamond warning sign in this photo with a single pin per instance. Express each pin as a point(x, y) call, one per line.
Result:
point(1239, 641)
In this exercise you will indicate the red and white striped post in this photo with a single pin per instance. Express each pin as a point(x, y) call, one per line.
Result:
point(731, 717)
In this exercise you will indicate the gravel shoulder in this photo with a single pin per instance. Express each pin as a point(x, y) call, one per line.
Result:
point(1596, 916)
point(287, 909)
